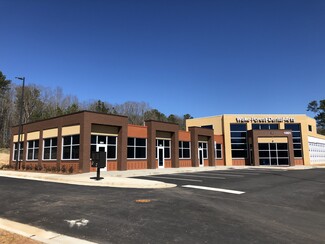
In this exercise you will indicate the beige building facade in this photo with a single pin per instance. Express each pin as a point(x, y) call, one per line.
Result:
point(266, 139)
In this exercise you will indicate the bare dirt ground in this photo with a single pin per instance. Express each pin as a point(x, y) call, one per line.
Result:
point(4, 156)
point(9, 238)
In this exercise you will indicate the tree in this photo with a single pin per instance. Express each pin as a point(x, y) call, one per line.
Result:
point(319, 109)
point(5, 110)
point(134, 111)
point(154, 114)
point(32, 105)
point(4, 84)
point(100, 107)
point(73, 108)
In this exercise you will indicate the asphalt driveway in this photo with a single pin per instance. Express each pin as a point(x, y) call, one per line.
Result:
point(276, 206)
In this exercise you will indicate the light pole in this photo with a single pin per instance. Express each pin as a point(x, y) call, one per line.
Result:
point(20, 121)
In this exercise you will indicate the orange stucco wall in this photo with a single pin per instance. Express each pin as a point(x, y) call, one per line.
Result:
point(137, 131)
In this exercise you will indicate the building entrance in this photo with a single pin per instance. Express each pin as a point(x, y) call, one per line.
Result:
point(201, 158)
point(101, 148)
point(161, 158)
point(273, 153)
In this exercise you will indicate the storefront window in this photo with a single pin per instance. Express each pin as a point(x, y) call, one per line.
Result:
point(238, 134)
point(296, 137)
point(50, 148)
point(70, 147)
point(32, 150)
point(184, 150)
point(137, 148)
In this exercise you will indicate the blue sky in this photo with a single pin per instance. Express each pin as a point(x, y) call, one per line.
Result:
point(198, 57)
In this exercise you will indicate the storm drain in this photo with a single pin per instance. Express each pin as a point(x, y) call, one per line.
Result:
point(143, 200)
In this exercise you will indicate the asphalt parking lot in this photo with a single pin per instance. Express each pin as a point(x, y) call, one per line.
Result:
point(243, 180)
point(274, 206)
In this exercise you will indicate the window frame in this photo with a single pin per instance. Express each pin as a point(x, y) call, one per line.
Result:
point(50, 148)
point(20, 151)
point(33, 148)
point(181, 148)
point(135, 147)
point(106, 144)
point(241, 137)
point(164, 146)
point(71, 145)
point(215, 150)
point(296, 138)
point(204, 148)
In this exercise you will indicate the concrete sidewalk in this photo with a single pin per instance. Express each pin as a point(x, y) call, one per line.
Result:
point(38, 234)
point(122, 178)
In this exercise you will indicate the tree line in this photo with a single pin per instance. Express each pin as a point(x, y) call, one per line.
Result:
point(43, 103)
point(318, 108)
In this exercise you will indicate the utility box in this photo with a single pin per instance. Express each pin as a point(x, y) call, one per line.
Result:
point(98, 159)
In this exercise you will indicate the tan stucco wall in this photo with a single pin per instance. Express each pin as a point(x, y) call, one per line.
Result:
point(22, 138)
point(70, 130)
point(272, 140)
point(221, 124)
point(33, 135)
point(50, 133)
point(215, 121)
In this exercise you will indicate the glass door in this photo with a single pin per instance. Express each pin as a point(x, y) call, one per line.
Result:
point(273, 154)
point(101, 148)
point(161, 158)
point(201, 159)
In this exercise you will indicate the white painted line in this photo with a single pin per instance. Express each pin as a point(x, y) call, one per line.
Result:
point(163, 177)
point(214, 189)
point(267, 170)
point(225, 174)
point(200, 176)
point(38, 234)
point(244, 172)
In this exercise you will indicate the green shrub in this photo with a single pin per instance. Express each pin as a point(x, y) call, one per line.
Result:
point(38, 167)
point(6, 166)
point(29, 167)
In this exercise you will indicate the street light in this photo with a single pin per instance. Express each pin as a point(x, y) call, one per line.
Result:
point(20, 121)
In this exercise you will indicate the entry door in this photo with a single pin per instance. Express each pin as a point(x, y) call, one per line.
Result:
point(201, 159)
point(161, 157)
point(102, 148)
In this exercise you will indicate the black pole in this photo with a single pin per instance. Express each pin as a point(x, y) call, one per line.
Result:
point(20, 122)
point(98, 174)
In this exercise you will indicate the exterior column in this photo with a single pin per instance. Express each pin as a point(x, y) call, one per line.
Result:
point(40, 148)
point(23, 162)
point(151, 157)
point(212, 161)
point(59, 147)
point(194, 147)
point(291, 151)
point(175, 150)
point(84, 148)
point(122, 148)
point(256, 155)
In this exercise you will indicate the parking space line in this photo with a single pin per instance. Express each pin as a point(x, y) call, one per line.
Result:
point(225, 174)
point(267, 170)
point(163, 177)
point(244, 172)
point(200, 176)
point(214, 189)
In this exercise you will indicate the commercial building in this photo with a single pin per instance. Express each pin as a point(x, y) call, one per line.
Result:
point(267, 139)
point(67, 141)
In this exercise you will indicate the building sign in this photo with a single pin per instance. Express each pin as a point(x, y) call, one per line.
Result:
point(265, 120)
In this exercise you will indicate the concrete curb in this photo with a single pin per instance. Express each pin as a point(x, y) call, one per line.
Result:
point(109, 181)
point(38, 234)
